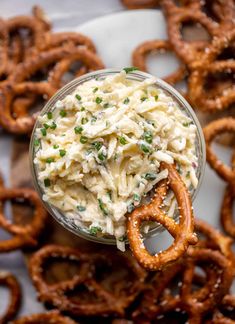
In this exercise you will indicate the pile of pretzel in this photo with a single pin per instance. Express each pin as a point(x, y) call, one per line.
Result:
point(33, 64)
point(111, 287)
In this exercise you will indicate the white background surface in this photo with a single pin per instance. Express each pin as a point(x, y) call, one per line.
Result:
point(115, 37)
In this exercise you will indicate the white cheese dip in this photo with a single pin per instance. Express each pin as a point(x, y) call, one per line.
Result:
point(100, 148)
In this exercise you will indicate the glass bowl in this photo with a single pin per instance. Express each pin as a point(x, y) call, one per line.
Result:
point(137, 76)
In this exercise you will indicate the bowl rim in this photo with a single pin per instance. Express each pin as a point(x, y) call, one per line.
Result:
point(68, 89)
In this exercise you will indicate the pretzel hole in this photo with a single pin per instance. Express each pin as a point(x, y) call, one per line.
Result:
point(58, 269)
point(219, 83)
point(28, 107)
point(110, 273)
point(199, 279)
point(157, 60)
point(193, 31)
point(160, 242)
point(208, 8)
point(3, 77)
point(71, 73)
point(226, 54)
point(172, 317)
point(5, 298)
point(81, 294)
point(223, 151)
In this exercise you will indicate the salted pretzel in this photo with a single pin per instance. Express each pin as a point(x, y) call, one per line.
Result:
point(22, 235)
point(140, 4)
point(113, 300)
point(9, 280)
point(140, 53)
point(41, 17)
point(176, 16)
point(212, 130)
point(182, 232)
point(52, 317)
point(159, 300)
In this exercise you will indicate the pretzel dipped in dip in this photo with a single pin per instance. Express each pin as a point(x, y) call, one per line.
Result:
point(100, 150)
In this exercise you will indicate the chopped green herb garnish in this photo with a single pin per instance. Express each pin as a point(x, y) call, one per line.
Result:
point(78, 97)
point(122, 140)
point(84, 120)
point(62, 153)
point(150, 176)
point(136, 197)
point(145, 148)
point(148, 136)
point(81, 208)
point(49, 115)
point(36, 142)
point(109, 193)
point(126, 101)
point(102, 207)
point(94, 230)
point(93, 119)
point(187, 124)
point(156, 97)
point(143, 99)
point(55, 146)
point(122, 238)
point(106, 105)
point(82, 108)
point(188, 174)
point(130, 208)
point(50, 160)
point(101, 156)
point(63, 113)
point(130, 69)
point(43, 131)
point(97, 145)
point(53, 125)
point(47, 182)
point(46, 126)
point(95, 89)
point(98, 100)
point(115, 156)
point(83, 139)
point(78, 129)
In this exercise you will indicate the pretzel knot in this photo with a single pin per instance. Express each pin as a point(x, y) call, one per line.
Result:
point(212, 130)
point(52, 317)
point(109, 296)
point(10, 281)
point(182, 232)
point(23, 235)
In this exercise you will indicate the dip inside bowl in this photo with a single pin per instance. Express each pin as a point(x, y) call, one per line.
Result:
point(97, 146)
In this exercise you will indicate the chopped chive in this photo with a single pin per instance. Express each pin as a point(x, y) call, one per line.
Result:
point(81, 208)
point(46, 126)
point(97, 145)
point(136, 197)
point(63, 113)
point(62, 153)
point(130, 208)
point(55, 146)
point(50, 160)
point(47, 182)
point(143, 99)
point(78, 129)
point(95, 89)
point(130, 69)
point(49, 115)
point(93, 119)
point(101, 156)
point(36, 142)
point(148, 136)
point(126, 101)
point(122, 140)
point(156, 97)
point(82, 108)
point(188, 174)
point(94, 230)
point(102, 207)
point(187, 124)
point(78, 97)
point(145, 148)
point(122, 238)
point(53, 125)
point(98, 100)
point(150, 176)
point(83, 139)
point(43, 131)
point(106, 105)
point(84, 120)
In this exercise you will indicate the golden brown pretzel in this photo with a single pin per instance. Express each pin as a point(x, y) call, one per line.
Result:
point(140, 4)
point(183, 232)
point(52, 317)
point(9, 280)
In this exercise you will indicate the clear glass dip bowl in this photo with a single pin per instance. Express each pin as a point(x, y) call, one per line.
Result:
point(137, 76)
